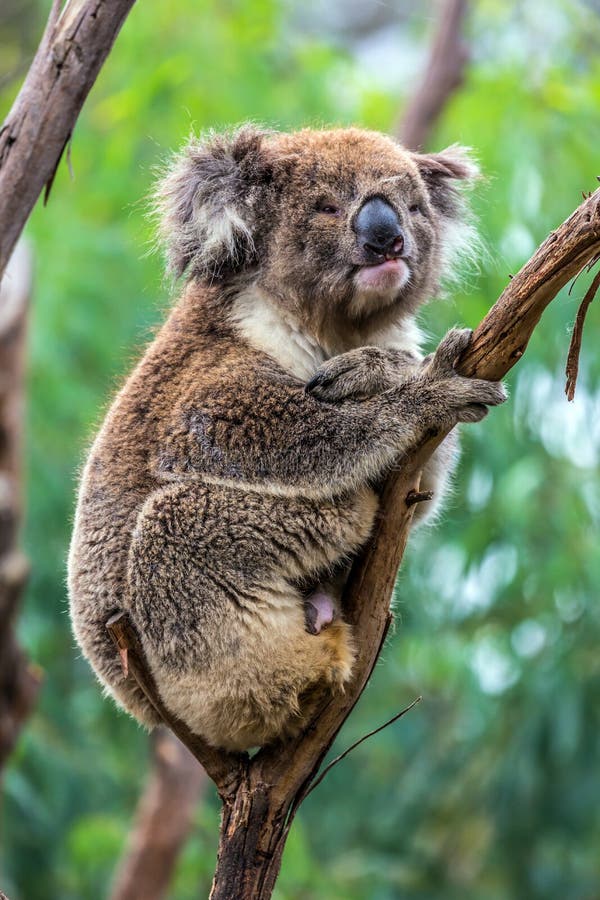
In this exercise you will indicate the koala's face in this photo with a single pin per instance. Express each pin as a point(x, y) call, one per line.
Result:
point(342, 223)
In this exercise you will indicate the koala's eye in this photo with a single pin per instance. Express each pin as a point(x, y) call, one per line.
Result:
point(414, 208)
point(329, 209)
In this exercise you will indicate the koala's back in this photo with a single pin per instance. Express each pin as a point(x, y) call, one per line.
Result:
point(117, 480)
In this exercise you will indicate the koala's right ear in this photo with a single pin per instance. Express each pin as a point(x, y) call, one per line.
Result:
point(205, 202)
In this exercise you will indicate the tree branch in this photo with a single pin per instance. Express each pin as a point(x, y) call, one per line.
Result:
point(443, 74)
point(572, 367)
point(501, 339)
point(19, 681)
point(163, 820)
point(72, 50)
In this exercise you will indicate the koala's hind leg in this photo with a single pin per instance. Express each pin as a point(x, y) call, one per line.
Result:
point(212, 587)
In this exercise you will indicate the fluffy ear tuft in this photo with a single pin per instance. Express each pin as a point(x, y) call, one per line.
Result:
point(460, 245)
point(441, 170)
point(203, 202)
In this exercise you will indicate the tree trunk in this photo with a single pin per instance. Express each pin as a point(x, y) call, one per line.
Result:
point(163, 820)
point(19, 681)
point(251, 843)
point(442, 75)
point(32, 139)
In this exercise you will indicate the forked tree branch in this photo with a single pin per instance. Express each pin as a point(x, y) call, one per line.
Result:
point(261, 796)
point(39, 126)
point(443, 74)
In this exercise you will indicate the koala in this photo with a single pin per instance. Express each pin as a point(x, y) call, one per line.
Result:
point(236, 473)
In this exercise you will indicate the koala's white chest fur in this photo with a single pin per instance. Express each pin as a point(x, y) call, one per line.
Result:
point(274, 332)
point(268, 329)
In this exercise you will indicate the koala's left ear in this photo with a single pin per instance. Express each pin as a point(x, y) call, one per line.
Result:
point(441, 171)
point(206, 202)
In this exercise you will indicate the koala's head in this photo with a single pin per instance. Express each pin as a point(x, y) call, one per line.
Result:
point(339, 224)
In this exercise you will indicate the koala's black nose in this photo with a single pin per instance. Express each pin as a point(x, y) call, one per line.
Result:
point(378, 230)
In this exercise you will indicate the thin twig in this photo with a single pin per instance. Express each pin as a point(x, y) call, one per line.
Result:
point(357, 743)
point(572, 369)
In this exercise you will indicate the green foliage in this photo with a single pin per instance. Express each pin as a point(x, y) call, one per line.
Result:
point(490, 787)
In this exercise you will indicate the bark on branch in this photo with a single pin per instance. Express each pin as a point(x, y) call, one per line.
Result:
point(39, 126)
point(261, 796)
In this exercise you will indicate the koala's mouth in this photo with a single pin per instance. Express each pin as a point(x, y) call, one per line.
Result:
point(388, 275)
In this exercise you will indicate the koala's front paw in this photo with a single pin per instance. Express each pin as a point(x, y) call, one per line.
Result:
point(456, 398)
point(355, 375)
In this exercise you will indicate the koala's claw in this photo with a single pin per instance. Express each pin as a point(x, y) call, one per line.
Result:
point(452, 345)
point(471, 397)
point(315, 382)
point(474, 412)
point(462, 399)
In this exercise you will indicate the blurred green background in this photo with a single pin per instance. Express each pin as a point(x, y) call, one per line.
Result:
point(490, 788)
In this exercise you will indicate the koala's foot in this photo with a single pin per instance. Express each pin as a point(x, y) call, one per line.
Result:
point(319, 611)
point(361, 373)
point(338, 637)
point(451, 397)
